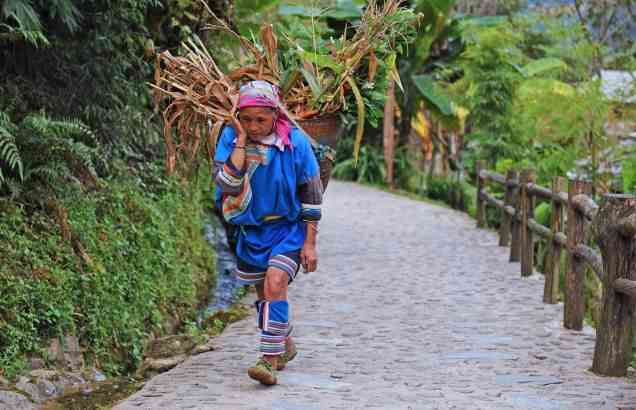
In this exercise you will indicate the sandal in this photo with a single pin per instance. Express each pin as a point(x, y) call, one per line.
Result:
point(287, 357)
point(264, 372)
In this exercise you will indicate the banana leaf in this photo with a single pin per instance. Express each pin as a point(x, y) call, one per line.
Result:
point(345, 10)
point(434, 96)
point(541, 65)
point(324, 61)
point(434, 14)
point(440, 104)
point(300, 11)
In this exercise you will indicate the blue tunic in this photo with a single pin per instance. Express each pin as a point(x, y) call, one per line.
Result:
point(274, 187)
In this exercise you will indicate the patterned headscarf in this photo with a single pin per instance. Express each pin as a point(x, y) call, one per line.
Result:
point(263, 94)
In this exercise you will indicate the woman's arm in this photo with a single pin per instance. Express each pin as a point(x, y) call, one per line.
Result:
point(238, 155)
point(229, 174)
point(310, 195)
point(308, 254)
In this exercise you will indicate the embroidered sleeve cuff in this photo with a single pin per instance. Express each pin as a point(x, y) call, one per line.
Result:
point(310, 213)
point(232, 169)
point(230, 175)
point(229, 178)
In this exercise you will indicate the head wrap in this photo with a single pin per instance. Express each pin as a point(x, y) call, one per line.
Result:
point(263, 94)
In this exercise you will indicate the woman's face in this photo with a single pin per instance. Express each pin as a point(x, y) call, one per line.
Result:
point(258, 122)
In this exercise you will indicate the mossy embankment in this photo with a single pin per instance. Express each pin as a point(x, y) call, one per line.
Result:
point(115, 267)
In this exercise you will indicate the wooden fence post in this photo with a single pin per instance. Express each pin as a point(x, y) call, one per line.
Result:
point(527, 212)
point(574, 308)
point(615, 227)
point(553, 267)
point(504, 229)
point(515, 225)
point(481, 204)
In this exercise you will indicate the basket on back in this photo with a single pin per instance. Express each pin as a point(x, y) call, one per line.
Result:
point(325, 131)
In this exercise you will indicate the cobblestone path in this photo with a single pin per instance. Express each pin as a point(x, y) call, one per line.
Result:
point(411, 308)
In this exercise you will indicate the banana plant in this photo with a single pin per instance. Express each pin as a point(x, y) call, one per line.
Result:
point(435, 27)
point(432, 28)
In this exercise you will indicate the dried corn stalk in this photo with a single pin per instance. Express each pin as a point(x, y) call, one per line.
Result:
point(266, 65)
point(199, 98)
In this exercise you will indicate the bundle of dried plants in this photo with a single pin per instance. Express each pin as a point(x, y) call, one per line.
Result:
point(199, 98)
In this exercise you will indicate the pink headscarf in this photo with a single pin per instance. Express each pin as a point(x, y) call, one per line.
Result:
point(263, 94)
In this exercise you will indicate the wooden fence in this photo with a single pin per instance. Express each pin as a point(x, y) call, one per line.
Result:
point(576, 222)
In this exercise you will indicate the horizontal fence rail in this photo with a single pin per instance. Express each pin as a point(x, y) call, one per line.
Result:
point(576, 221)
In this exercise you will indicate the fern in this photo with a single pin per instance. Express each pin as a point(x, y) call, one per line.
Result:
point(9, 153)
point(58, 149)
point(22, 19)
point(52, 173)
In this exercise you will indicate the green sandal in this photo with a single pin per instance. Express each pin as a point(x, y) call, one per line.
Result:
point(287, 357)
point(264, 372)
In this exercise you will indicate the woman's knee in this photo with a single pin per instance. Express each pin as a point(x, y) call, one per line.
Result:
point(275, 284)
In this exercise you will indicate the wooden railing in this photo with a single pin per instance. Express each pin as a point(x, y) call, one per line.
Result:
point(576, 222)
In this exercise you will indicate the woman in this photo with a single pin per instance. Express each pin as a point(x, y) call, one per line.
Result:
point(269, 184)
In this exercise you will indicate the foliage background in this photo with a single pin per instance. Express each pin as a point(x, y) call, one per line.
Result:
point(96, 241)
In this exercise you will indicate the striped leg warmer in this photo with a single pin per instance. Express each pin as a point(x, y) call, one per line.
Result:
point(273, 320)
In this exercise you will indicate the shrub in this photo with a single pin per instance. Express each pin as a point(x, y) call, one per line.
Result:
point(438, 189)
point(629, 174)
point(111, 267)
point(543, 214)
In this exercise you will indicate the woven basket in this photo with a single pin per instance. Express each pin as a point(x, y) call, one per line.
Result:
point(326, 130)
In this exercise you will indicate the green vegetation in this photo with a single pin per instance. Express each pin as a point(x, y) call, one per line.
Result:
point(629, 174)
point(112, 267)
point(96, 241)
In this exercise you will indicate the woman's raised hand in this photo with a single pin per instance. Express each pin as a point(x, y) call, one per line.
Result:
point(241, 135)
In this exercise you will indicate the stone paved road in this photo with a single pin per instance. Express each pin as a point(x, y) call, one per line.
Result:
point(412, 308)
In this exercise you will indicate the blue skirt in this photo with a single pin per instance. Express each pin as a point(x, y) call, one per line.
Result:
point(256, 245)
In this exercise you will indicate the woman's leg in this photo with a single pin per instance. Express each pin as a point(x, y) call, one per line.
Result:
point(260, 290)
point(273, 316)
point(289, 343)
point(275, 286)
point(275, 291)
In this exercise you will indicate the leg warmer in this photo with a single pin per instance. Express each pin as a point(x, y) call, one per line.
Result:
point(273, 320)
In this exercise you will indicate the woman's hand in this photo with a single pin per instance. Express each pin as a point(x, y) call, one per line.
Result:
point(309, 257)
point(241, 135)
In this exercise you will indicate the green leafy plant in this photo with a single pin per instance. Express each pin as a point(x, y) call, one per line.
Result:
point(22, 19)
point(57, 151)
point(9, 154)
point(368, 169)
point(113, 267)
point(629, 174)
point(543, 213)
